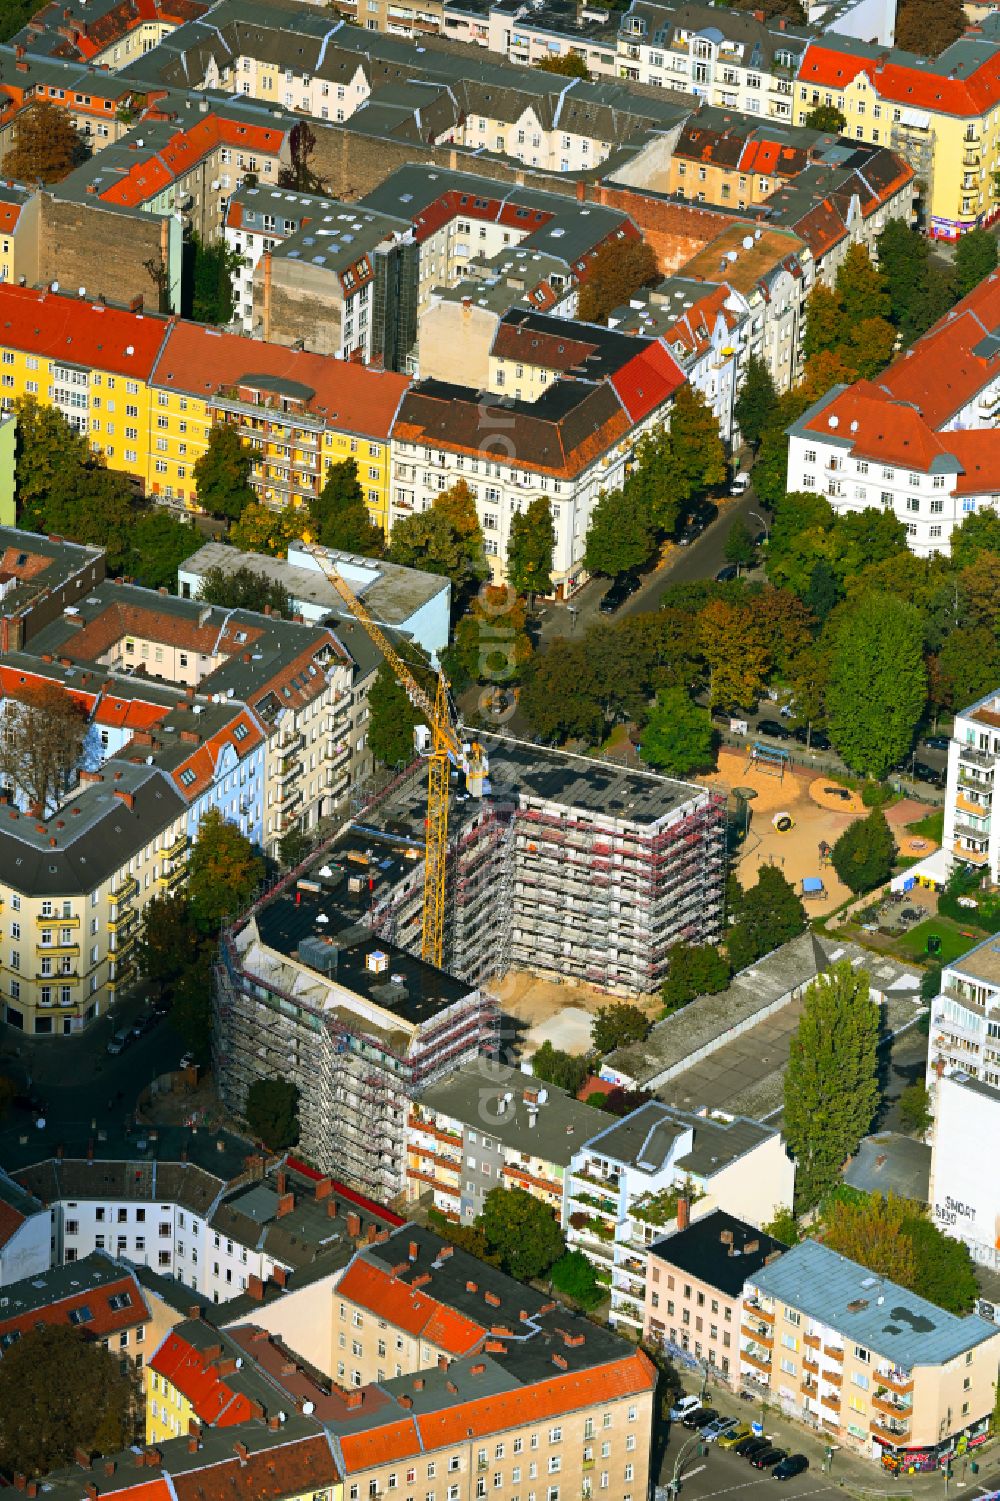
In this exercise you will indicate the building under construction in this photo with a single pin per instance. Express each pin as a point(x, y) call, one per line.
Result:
point(303, 991)
point(570, 867)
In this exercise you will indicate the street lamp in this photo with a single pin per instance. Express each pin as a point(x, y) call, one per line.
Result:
point(754, 517)
point(674, 1485)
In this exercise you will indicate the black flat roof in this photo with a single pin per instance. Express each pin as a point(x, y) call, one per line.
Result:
point(702, 1251)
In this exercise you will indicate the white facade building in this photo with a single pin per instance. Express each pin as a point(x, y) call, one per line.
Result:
point(970, 834)
point(964, 1193)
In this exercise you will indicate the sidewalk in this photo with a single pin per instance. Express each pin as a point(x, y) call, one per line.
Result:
point(852, 1471)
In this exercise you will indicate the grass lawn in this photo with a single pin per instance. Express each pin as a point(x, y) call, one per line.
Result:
point(930, 827)
point(953, 936)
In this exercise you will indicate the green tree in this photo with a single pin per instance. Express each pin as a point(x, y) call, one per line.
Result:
point(767, 915)
point(553, 1066)
point(822, 592)
point(560, 696)
point(244, 588)
point(864, 853)
point(339, 515)
point(861, 288)
point(47, 145)
point(272, 1112)
point(224, 872)
point(699, 458)
point(191, 1008)
point(161, 543)
point(678, 737)
point(166, 939)
point(915, 1113)
point(755, 405)
point(293, 846)
point(614, 274)
point(569, 65)
point(878, 683)
point(920, 290)
point(826, 117)
point(975, 258)
point(392, 719)
point(783, 1226)
point(211, 269)
point(739, 548)
point(522, 1231)
point(620, 537)
point(831, 1082)
point(617, 1025)
point(529, 549)
point(693, 969)
point(574, 1276)
point(446, 539)
point(977, 533)
point(222, 474)
point(490, 643)
point(943, 1269)
point(259, 529)
point(60, 1391)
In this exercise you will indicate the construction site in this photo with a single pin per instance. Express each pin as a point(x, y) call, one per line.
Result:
point(568, 868)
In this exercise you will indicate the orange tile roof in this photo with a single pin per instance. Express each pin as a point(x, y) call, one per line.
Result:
point(409, 1308)
point(378, 1446)
point(153, 172)
point(877, 427)
point(212, 1399)
point(104, 1319)
point(79, 332)
point(299, 1467)
point(11, 1221)
point(200, 361)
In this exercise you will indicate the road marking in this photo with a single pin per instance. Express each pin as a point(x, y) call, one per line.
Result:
point(686, 1474)
point(728, 1491)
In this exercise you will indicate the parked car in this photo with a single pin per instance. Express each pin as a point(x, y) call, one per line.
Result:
point(925, 773)
point(622, 588)
point(767, 1458)
point(696, 523)
point(751, 1446)
point(120, 1041)
point(683, 1406)
point(735, 1436)
point(817, 740)
point(720, 1428)
point(772, 727)
point(145, 1022)
point(727, 574)
point(795, 1464)
point(704, 1419)
point(936, 742)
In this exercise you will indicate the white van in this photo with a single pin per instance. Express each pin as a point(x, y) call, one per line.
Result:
point(740, 484)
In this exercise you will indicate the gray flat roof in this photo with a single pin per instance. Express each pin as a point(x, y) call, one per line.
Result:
point(891, 1163)
point(868, 1310)
point(981, 963)
point(473, 1094)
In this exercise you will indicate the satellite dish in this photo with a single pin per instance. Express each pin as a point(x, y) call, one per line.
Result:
point(748, 242)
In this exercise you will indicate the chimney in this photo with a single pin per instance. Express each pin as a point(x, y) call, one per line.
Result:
point(125, 797)
point(241, 1451)
point(285, 1205)
point(279, 1276)
point(273, 1423)
point(255, 1287)
point(422, 1280)
point(419, 1384)
point(581, 191)
point(193, 1443)
point(282, 1183)
point(472, 1287)
point(353, 1225)
point(194, 1312)
point(445, 1252)
point(20, 1481)
point(683, 1212)
point(404, 1401)
point(492, 1300)
point(324, 1188)
point(477, 1370)
point(355, 1399)
point(210, 1353)
point(371, 1232)
point(413, 1250)
point(226, 1367)
point(332, 1209)
point(561, 1362)
point(91, 1490)
point(31, 1489)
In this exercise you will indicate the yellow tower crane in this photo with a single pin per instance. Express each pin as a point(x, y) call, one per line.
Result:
point(447, 749)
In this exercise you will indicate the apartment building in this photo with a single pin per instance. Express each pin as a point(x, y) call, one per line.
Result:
point(923, 446)
point(292, 681)
point(694, 1291)
point(965, 1018)
point(99, 1296)
point(106, 34)
point(641, 1177)
point(733, 61)
point(328, 276)
point(41, 577)
point(95, 101)
point(876, 1368)
point(488, 1126)
point(970, 836)
point(570, 445)
point(74, 887)
point(299, 412)
point(941, 114)
point(728, 158)
point(963, 1198)
point(362, 1027)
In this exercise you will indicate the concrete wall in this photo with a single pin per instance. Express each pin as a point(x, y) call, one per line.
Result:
point(756, 1194)
point(965, 1199)
point(453, 344)
point(298, 301)
point(28, 1252)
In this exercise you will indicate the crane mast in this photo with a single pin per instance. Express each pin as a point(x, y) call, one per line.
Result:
point(447, 749)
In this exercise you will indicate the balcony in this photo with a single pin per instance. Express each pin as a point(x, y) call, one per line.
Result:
point(756, 1361)
point(975, 810)
point(809, 1389)
point(760, 1336)
point(973, 757)
point(812, 1366)
point(898, 1381)
point(767, 1314)
point(974, 857)
point(126, 891)
point(900, 1411)
point(52, 921)
point(830, 1401)
point(835, 1378)
point(889, 1433)
point(965, 828)
point(811, 1341)
point(832, 1352)
point(175, 850)
point(65, 950)
point(167, 880)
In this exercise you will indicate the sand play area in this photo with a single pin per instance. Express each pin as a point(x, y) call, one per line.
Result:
point(558, 1013)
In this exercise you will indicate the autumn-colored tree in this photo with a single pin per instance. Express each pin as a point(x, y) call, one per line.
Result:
point(826, 117)
point(616, 272)
point(491, 643)
point(870, 1230)
point(826, 369)
point(569, 65)
point(445, 539)
point(60, 1390)
point(47, 145)
point(259, 529)
point(224, 871)
point(929, 26)
point(530, 547)
point(41, 742)
point(737, 654)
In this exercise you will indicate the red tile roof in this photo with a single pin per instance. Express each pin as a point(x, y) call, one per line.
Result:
point(79, 332)
point(103, 1320)
point(300, 1467)
point(648, 380)
point(408, 1308)
point(128, 713)
point(212, 1399)
point(11, 1221)
point(200, 361)
point(379, 1446)
point(155, 170)
point(919, 86)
